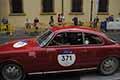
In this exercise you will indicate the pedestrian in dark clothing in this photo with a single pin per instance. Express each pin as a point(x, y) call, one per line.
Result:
point(36, 23)
point(51, 22)
point(96, 21)
point(5, 20)
point(75, 21)
point(111, 18)
point(59, 19)
point(36, 20)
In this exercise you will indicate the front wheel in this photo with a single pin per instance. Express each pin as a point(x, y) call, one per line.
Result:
point(12, 71)
point(109, 66)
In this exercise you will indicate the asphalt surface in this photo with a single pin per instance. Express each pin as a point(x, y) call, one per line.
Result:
point(87, 75)
point(84, 75)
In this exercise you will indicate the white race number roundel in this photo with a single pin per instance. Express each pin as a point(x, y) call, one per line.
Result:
point(66, 60)
point(19, 44)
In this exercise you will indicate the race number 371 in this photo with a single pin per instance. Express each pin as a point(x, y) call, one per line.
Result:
point(66, 59)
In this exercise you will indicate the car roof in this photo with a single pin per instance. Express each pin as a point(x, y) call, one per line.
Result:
point(81, 28)
point(76, 28)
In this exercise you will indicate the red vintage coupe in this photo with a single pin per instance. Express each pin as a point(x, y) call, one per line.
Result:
point(59, 49)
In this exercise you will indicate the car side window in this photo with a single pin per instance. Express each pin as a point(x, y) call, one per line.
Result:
point(59, 39)
point(75, 38)
point(92, 39)
point(67, 38)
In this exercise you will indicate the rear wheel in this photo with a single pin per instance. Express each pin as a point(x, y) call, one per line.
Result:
point(109, 66)
point(12, 71)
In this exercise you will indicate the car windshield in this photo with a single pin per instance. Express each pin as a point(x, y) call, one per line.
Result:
point(44, 38)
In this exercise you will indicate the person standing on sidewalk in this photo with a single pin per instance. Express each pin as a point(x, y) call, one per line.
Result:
point(5, 22)
point(63, 18)
point(59, 19)
point(36, 24)
point(27, 25)
point(95, 22)
point(75, 20)
point(51, 21)
point(111, 18)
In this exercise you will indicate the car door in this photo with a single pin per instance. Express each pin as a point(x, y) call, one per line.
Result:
point(61, 54)
point(68, 51)
point(71, 51)
point(91, 50)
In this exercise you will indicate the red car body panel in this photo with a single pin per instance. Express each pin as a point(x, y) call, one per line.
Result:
point(35, 58)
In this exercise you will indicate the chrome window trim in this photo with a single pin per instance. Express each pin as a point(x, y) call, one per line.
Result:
point(61, 71)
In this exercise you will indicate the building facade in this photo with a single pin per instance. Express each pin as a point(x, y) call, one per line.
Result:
point(18, 10)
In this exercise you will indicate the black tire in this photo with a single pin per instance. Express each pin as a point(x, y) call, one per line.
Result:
point(109, 66)
point(11, 71)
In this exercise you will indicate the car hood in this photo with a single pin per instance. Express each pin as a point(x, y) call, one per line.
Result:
point(22, 44)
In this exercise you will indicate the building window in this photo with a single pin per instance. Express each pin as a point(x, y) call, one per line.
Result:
point(16, 6)
point(77, 5)
point(47, 6)
point(103, 6)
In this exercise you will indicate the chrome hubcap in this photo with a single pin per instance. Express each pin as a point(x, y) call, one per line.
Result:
point(109, 65)
point(12, 72)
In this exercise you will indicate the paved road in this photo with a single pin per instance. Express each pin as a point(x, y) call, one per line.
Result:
point(87, 75)
point(96, 76)
point(114, 35)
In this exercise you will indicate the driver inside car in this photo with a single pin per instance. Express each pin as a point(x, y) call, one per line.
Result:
point(60, 39)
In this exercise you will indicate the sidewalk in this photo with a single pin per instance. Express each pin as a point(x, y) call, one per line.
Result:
point(20, 34)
